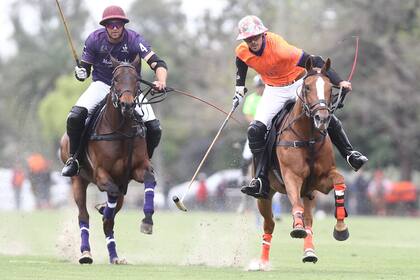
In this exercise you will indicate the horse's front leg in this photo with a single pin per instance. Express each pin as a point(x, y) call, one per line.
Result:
point(79, 186)
point(293, 184)
point(308, 245)
point(105, 182)
point(148, 177)
point(113, 205)
point(341, 231)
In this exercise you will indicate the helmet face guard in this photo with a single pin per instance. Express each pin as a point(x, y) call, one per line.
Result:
point(250, 26)
point(113, 12)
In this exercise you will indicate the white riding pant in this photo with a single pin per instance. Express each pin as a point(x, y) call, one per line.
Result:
point(246, 153)
point(273, 100)
point(98, 90)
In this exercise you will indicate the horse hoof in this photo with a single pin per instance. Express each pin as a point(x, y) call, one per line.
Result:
point(298, 232)
point(309, 256)
point(100, 207)
point(341, 235)
point(119, 261)
point(146, 228)
point(86, 258)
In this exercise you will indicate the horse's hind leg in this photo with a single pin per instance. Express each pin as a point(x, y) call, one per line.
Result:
point(308, 245)
point(113, 205)
point(146, 226)
point(79, 186)
point(265, 209)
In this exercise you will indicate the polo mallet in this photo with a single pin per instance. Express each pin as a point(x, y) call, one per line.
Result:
point(68, 34)
point(179, 202)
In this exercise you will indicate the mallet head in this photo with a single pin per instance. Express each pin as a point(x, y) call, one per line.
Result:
point(179, 203)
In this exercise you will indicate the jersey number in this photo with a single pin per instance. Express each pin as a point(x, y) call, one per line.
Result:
point(142, 48)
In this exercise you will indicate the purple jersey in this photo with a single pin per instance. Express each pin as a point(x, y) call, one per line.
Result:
point(97, 52)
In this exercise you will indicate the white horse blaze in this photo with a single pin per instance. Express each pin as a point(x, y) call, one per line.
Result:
point(320, 90)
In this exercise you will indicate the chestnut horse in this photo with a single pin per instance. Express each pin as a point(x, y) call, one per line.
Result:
point(115, 153)
point(307, 164)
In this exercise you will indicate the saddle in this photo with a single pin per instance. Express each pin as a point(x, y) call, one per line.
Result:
point(91, 124)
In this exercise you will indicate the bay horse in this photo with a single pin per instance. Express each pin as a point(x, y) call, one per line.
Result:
point(306, 161)
point(115, 153)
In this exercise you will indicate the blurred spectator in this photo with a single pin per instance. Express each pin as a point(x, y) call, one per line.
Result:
point(221, 195)
point(402, 198)
point(202, 192)
point(18, 176)
point(377, 190)
point(39, 176)
point(359, 189)
point(277, 206)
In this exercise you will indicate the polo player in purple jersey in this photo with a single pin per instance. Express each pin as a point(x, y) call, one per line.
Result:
point(123, 44)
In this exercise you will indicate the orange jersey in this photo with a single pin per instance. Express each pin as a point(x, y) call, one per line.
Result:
point(277, 65)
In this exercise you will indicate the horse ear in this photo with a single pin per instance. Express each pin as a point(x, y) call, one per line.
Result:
point(309, 64)
point(326, 66)
point(136, 61)
point(114, 61)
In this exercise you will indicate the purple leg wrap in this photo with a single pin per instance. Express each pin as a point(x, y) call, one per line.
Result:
point(149, 195)
point(110, 243)
point(110, 207)
point(84, 234)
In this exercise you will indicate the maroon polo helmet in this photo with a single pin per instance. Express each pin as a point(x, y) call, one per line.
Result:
point(113, 12)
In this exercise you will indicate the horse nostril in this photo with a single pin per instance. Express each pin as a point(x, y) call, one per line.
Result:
point(317, 118)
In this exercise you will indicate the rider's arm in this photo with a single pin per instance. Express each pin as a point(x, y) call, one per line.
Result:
point(159, 66)
point(241, 70)
point(155, 61)
point(319, 62)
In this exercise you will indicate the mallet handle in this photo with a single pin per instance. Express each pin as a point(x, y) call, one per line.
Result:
point(68, 34)
point(208, 150)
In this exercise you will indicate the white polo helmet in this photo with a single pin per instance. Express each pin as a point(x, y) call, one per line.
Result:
point(250, 26)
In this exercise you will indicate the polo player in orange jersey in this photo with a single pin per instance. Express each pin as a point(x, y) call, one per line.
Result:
point(282, 68)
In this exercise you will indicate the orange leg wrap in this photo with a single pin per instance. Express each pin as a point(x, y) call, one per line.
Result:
point(340, 210)
point(307, 243)
point(266, 244)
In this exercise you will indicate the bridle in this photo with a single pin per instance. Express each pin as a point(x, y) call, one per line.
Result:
point(321, 104)
point(116, 94)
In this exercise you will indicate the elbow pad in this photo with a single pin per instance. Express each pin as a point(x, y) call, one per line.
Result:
point(155, 62)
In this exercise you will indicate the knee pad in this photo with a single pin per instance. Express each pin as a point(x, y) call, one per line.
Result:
point(77, 117)
point(154, 130)
point(153, 135)
point(256, 136)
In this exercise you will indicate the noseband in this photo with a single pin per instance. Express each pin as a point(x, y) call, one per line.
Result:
point(116, 94)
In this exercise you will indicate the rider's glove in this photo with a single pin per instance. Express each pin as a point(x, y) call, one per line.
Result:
point(239, 95)
point(80, 73)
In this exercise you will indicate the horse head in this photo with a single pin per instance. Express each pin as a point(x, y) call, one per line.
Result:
point(316, 94)
point(125, 86)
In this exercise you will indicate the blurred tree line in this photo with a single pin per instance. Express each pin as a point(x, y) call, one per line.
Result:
point(380, 115)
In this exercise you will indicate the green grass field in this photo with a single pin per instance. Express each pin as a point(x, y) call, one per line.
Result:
point(199, 245)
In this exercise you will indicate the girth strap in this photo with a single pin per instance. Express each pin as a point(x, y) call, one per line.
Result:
point(300, 144)
point(140, 132)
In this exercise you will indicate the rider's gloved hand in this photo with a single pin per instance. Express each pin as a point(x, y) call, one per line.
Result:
point(80, 73)
point(239, 95)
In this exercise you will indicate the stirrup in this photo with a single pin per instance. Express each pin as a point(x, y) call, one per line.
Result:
point(255, 189)
point(71, 168)
point(356, 160)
